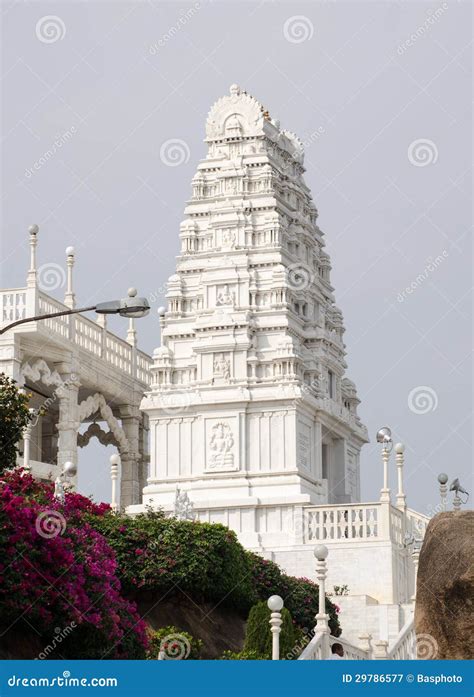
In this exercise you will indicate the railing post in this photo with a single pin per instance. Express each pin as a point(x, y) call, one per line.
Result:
point(275, 604)
point(416, 558)
point(380, 650)
point(364, 643)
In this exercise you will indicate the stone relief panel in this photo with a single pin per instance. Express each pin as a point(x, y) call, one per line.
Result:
point(221, 366)
point(225, 295)
point(221, 440)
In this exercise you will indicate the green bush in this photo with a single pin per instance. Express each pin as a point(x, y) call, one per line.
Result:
point(173, 644)
point(300, 595)
point(157, 554)
point(258, 637)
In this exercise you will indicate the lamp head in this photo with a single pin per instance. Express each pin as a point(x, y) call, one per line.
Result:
point(114, 459)
point(275, 603)
point(69, 469)
point(442, 478)
point(321, 552)
point(384, 435)
point(456, 486)
point(399, 448)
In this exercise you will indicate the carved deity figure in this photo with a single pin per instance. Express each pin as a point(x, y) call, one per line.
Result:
point(225, 296)
point(221, 367)
point(183, 508)
point(221, 444)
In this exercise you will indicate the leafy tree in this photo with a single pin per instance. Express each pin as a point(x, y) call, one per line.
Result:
point(14, 416)
point(258, 637)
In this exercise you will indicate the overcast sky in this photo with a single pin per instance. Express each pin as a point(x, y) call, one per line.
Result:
point(380, 92)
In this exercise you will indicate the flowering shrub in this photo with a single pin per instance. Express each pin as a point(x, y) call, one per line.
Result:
point(56, 569)
point(158, 554)
point(300, 595)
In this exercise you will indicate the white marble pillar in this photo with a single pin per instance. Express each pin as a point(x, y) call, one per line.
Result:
point(68, 423)
point(130, 480)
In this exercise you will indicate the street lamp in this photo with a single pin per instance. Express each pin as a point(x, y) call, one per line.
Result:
point(69, 470)
point(131, 306)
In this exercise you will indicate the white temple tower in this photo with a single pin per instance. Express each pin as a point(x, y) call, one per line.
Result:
point(250, 411)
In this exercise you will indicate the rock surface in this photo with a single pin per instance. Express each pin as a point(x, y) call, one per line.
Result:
point(444, 614)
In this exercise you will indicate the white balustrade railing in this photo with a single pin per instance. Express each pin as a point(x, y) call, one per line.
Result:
point(12, 304)
point(351, 652)
point(404, 646)
point(83, 331)
point(319, 649)
point(314, 651)
point(351, 522)
point(417, 523)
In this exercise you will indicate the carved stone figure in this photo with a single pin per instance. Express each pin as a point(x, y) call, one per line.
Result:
point(183, 508)
point(221, 446)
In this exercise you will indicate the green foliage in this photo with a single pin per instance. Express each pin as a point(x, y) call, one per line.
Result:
point(158, 554)
point(258, 637)
point(300, 595)
point(14, 416)
point(341, 590)
point(173, 644)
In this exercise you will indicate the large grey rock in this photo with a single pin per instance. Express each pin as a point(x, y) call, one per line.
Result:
point(444, 614)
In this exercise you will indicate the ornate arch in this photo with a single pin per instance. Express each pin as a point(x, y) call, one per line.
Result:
point(41, 372)
point(94, 430)
point(96, 402)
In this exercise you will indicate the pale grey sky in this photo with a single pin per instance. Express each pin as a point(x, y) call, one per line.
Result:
point(381, 94)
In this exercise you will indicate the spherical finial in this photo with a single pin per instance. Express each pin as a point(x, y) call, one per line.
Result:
point(70, 469)
point(234, 89)
point(321, 552)
point(275, 603)
point(114, 459)
point(33, 229)
point(443, 478)
point(132, 292)
point(70, 251)
point(162, 311)
point(399, 448)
